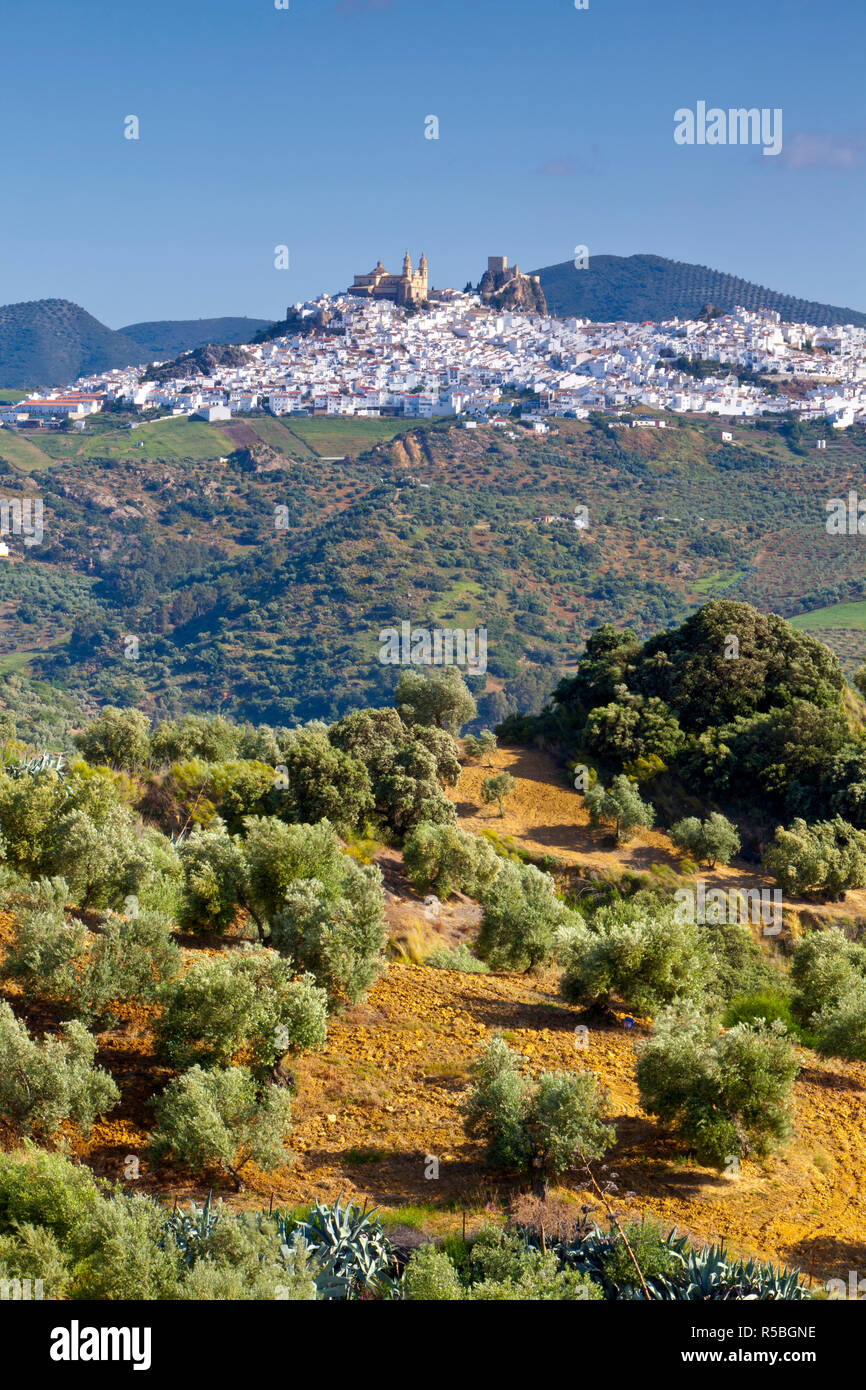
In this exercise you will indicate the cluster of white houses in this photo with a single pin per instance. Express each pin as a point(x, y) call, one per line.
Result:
point(457, 357)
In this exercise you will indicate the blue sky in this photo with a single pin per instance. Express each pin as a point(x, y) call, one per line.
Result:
point(305, 127)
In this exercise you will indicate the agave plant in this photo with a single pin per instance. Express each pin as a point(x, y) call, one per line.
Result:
point(709, 1275)
point(586, 1254)
point(190, 1229)
point(351, 1249)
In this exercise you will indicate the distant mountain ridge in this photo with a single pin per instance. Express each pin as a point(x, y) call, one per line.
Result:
point(170, 337)
point(651, 287)
point(51, 342)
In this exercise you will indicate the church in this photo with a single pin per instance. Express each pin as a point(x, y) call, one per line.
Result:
point(410, 287)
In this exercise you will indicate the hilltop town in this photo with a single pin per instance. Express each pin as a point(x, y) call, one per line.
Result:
point(390, 345)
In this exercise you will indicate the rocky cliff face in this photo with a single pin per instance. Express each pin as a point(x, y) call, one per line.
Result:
point(507, 290)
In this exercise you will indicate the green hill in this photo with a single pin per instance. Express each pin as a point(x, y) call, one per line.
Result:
point(168, 532)
point(170, 337)
point(650, 287)
point(50, 342)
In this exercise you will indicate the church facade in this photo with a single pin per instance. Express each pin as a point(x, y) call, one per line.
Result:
point(409, 287)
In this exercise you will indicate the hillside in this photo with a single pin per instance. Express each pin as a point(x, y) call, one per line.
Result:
point(384, 1090)
point(168, 531)
point(170, 337)
point(652, 287)
point(51, 342)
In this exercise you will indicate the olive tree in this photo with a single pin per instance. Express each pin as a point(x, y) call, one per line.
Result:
point(642, 956)
point(44, 1083)
point(620, 805)
point(245, 1001)
point(727, 1094)
point(447, 860)
point(118, 737)
point(522, 915)
point(222, 1118)
point(496, 788)
point(542, 1128)
point(438, 696)
point(712, 841)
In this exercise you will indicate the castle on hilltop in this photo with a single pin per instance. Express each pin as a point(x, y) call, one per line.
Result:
point(504, 287)
point(410, 287)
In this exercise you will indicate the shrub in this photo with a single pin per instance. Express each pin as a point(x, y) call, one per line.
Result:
point(769, 1005)
point(642, 956)
point(86, 1240)
point(536, 1128)
point(459, 958)
point(522, 915)
point(447, 860)
point(501, 1267)
point(713, 841)
point(727, 1094)
point(44, 1083)
point(431, 1277)
point(45, 1189)
point(619, 805)
point(246, 1001)
point(828, 857)
point(240, 1255)
point(118, 1254)
point(59, 1223)
point(221, 1118)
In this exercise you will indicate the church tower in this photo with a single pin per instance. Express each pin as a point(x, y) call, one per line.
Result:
point(422, 274)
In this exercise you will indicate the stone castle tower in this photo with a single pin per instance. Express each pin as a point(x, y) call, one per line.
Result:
point(409, 287)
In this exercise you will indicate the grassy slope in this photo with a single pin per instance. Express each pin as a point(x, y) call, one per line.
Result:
point(841, 615)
